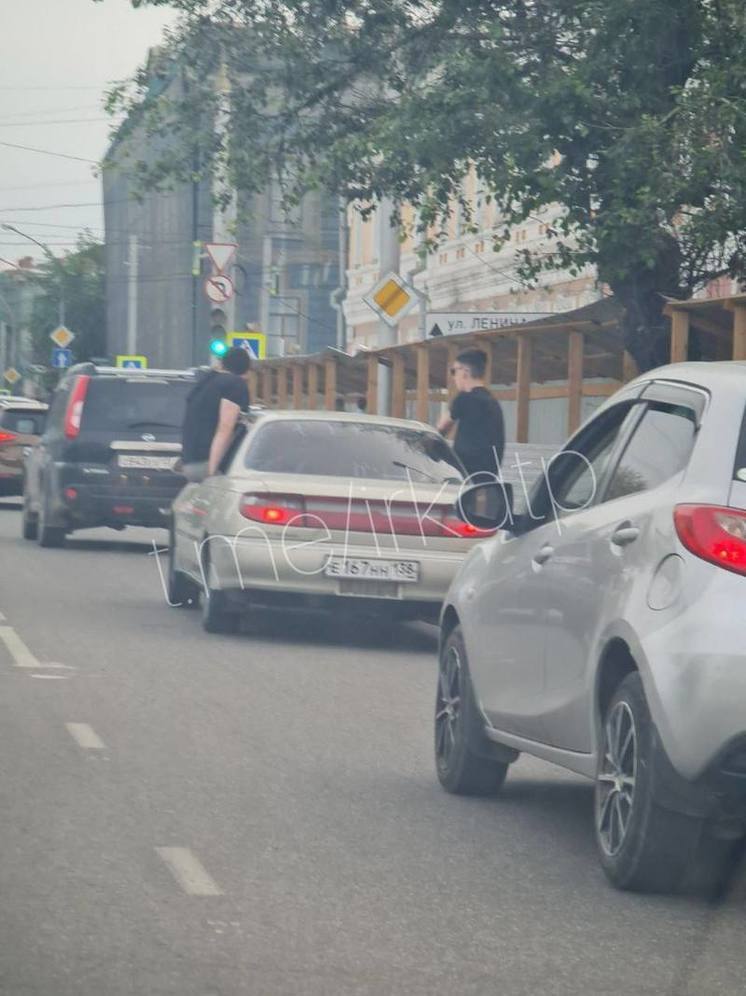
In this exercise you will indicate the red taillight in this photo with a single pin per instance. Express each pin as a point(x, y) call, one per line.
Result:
point(273, 510)
point(7, 437)
point(71, 494)
point(714, 533)
point(357, 516)
point(74, 412)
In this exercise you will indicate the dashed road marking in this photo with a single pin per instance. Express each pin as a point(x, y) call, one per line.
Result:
point(189, 872)
point(84, 735)
point(22, 656)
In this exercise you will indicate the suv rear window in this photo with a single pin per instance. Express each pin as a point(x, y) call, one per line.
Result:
point(352, 449)
point(117, 404)
point(23, 422)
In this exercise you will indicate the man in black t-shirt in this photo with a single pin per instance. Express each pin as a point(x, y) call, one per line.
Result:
point(212, 411)
point(478, 417)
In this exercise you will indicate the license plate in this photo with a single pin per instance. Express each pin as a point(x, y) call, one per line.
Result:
point(407, 571)
point(132, 461)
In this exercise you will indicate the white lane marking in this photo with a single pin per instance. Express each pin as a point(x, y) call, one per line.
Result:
point(51, 677)
point(189, 872)
point(22, 656)
point(2, 618)
point(85, 736)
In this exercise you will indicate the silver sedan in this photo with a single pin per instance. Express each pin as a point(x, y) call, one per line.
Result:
point(324, 510)
point(602, 628)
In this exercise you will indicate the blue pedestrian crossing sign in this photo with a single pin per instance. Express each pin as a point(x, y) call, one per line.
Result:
point(61, 358)
point(255, 342)
point(132, 362)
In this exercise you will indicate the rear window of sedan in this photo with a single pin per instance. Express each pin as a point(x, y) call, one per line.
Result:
point(352, 449)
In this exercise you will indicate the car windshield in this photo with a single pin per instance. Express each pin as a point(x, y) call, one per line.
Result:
point(119, 404)
point(353, 449)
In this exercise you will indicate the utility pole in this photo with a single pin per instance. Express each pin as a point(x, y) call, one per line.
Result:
point(132, 296)
point(389, 257)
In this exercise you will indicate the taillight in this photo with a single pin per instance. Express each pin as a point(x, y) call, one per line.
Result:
point(7, 437)
point(714, 533)
point(74, 413)
point(357, 516)
point(272, 510)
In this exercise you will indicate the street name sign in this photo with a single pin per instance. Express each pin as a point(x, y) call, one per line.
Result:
point(62, 336)
point(131, 361)
point(255, 342)
point(391, 298)
point(457, 322)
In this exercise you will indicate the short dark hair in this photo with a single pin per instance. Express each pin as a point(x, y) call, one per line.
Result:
point(237, 360)
point(475, 360)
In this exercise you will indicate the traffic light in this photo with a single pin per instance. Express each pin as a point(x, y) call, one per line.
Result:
point(218, 323)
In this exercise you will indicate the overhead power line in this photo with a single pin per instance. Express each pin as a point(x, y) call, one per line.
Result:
point(58, 121)
point(48, 152)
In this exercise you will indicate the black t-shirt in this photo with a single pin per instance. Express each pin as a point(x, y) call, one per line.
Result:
point(203, 411)
point(480, 432)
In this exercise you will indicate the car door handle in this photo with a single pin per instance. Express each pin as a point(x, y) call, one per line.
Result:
point(625, 534)
point(544, 554)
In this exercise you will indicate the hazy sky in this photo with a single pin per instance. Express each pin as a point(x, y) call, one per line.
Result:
point(56, 59)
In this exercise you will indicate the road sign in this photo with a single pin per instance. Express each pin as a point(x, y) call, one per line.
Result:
point(391, 298)
point(255, 342)
point(62, 337)
point(61, 358)
point(221, 254)
point(456, 322)
point(12, 375)
point(219, 288)
point(132, 362)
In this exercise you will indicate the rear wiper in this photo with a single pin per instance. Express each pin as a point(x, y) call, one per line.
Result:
point(416, 470)
point(161, 425)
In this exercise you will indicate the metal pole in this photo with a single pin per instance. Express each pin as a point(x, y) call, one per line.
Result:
point(196, 266)
point(389, 256)
point(132, 297)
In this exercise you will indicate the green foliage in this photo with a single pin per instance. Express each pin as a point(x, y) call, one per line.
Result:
point(630, 116)
point(81, 276)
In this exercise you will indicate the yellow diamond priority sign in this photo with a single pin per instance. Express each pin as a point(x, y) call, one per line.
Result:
point(62, 337)
point(391, 298)
point(12, 375)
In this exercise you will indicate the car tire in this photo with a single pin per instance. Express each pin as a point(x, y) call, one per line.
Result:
point(29, 521)
point(182, 591)
point(643, 846)
point(217, 616)
point(462, 751)
point(47, 535)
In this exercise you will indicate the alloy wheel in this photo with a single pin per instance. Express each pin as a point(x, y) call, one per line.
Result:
point(448, 706)
point(615, 784)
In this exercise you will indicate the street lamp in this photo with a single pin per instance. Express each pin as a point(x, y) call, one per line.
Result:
point(47, 252)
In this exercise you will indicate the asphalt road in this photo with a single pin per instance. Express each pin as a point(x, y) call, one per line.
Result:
point(257, 814)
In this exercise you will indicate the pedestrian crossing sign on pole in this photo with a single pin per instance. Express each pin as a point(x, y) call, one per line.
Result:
point(255, 342)
point(132, 362)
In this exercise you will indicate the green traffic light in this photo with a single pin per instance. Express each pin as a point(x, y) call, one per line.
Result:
point(218, 347)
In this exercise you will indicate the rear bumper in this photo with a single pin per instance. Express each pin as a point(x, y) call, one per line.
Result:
point(260, 565)
point(86, 504)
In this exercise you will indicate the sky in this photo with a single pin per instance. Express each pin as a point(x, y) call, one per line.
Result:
point(56, 59)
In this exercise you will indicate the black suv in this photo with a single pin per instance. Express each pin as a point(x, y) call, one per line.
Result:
point(109, 454)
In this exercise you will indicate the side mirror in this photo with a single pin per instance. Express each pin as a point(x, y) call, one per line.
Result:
point(487, 506)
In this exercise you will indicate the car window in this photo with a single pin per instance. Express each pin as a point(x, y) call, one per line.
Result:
point(22, 423)
point(572, 477)
point(658, 450)
point(118, 404)
point(352, 449)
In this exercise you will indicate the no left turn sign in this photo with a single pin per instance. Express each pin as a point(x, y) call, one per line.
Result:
point(219, 288)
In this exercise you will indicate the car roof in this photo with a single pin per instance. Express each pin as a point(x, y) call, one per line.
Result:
point(359, 418)
point(23, 403)
point(706, 373)
point(133, 373)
